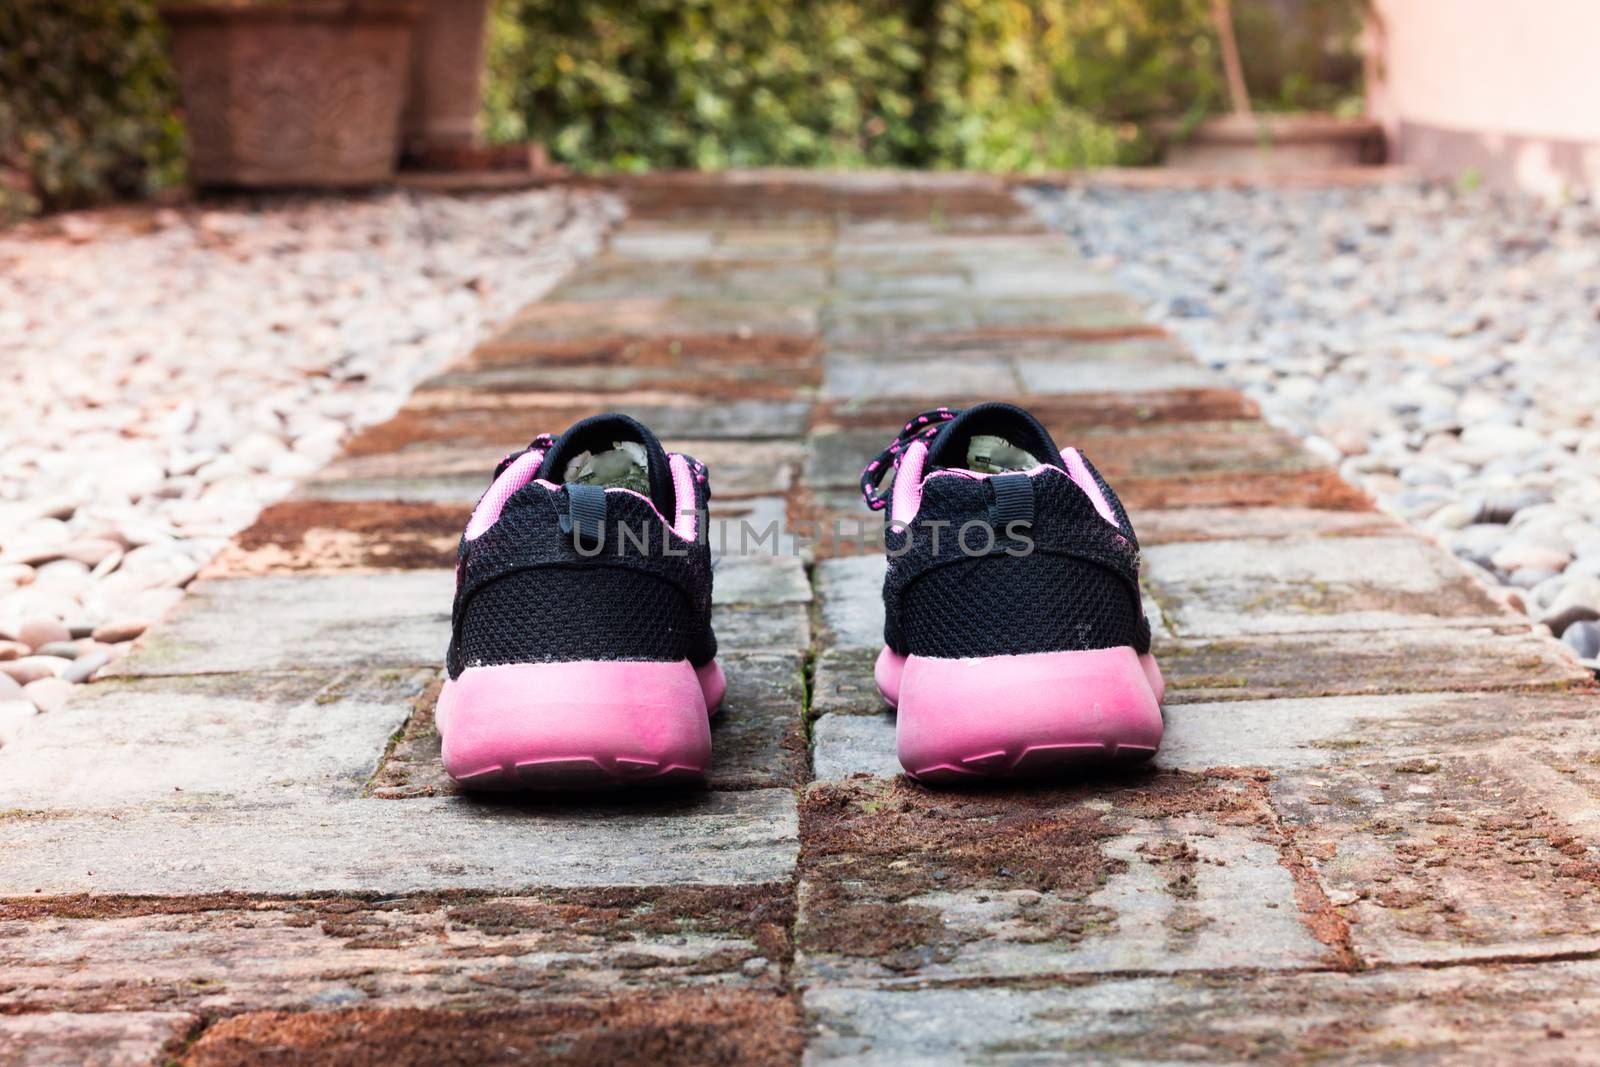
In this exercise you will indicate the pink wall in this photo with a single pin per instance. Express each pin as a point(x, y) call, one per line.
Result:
point(1508, 88)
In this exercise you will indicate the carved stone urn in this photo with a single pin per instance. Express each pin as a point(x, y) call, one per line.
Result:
point(301, 93)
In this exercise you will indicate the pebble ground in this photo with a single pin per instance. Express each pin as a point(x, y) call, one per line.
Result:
point(168, 373)
point(1438, 343)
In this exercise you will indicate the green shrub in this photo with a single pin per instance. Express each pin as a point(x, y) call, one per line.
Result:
point(991, 84)
point(1031, 84)
point(704, 83)
point(86, 104)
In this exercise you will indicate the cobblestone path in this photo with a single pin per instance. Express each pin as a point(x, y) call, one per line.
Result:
point(1372, 834)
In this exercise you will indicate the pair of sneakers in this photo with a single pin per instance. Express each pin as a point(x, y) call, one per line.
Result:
point(582, 653)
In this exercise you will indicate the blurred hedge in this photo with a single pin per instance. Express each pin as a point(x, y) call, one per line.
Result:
point(86, 104)
point(994, 84)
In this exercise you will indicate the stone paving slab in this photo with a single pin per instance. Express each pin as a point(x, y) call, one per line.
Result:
point(1443, 826)
point(343, 483)
point(1046, 276)
point(659, 317)
point(1182, 450)
point(620, 277)
point(747, 468)
point(1059, 346)
point(850, 592)
point(1458, 851)
point(974, 376)
point(834, 522)
point(1165, 526)
point(654, 242)
point(1064, 415)
point(649, 242)
point(372, 846)
point(831, 455)
point(348, 536)
point(1352, 663)
point(1225, 589)
point(1050, 343)
point(1324, 732)
point(759, 737)
point(1165, 872)
point(760, 579)
point(1287, 480)
point(1317, 488)
point(667, 243)
point(1003, 365)
point(858, 741)
point(1464, 1015)
point(1239, 448)
point(1122, 375)
point(246, 738)
point(221, 954)
point(674, 1028)
point(770, 628)
point(842, 682)
point(890, 276)
point(293, 623)
point(847, 323)
point(704, 378)
point(490, 428)
point(744, 525)
point(787, 357)
point(76, 1039)
point(740, 467)
point(939, 250)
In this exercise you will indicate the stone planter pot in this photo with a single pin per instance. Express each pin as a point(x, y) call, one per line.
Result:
point(305, 93)
point(1286, 142)
point(446, 92)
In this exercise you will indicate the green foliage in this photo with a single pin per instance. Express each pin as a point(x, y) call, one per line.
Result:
point(1055, 84)
point(86, 104)
point(703, 83)
point(991, 84)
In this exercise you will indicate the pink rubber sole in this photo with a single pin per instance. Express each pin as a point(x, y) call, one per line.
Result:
point(579, 725)
point(963, 720)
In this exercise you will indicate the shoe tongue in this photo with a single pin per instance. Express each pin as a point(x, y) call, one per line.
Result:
point(612, 451)
point(993, 439)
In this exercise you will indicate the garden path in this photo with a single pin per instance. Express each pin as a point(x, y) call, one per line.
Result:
point(1372, 832)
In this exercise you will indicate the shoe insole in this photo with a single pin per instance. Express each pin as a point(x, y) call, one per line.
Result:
point(988, 454)
point(624, 466)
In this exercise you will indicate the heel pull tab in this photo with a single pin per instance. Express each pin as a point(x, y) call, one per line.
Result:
point(585, 519)
point(1012, 501)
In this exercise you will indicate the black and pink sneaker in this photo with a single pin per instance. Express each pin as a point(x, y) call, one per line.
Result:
point(1015, 641)
point(581, 651)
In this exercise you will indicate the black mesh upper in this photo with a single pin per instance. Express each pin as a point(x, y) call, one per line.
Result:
point(1009, 605)
point(528, 617)
point(1078, 588)
point(524, 592)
